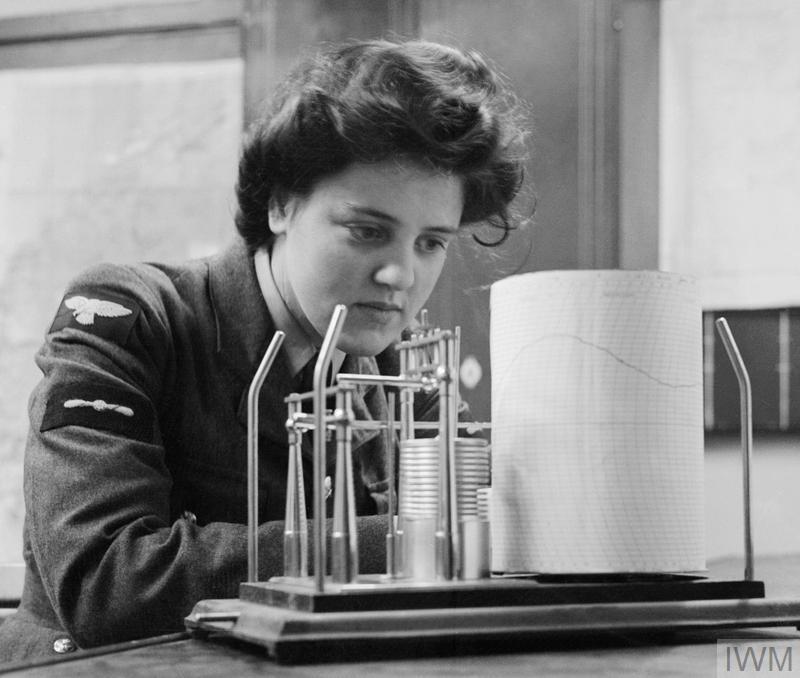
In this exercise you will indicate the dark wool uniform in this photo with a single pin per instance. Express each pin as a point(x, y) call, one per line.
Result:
point(135, 467)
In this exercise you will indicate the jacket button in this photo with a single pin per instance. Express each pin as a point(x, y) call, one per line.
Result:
point(64, 645)
point(191, 517)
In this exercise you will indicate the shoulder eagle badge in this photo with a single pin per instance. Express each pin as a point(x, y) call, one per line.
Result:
point(84, 309)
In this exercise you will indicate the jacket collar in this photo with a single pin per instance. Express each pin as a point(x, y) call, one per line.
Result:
point(244, 326)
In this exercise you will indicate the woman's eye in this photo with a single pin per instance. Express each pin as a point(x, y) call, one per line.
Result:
point(432, 244)
point(365, 233)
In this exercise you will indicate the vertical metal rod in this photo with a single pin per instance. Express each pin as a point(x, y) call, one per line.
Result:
point(448, 560)
point(391, 566)
point(295, 532)
point(320, 373)
point(449, 353)
point(352, 526)
point(406, 399)
point(406, 433)
point(746, 419)
point(457, 363)
point(344, 540)
point(340, 537)
point(252, 452)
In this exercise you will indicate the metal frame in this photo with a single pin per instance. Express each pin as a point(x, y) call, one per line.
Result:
point(429, 361)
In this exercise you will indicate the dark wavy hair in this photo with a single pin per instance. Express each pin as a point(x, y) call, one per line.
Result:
point(374, 100)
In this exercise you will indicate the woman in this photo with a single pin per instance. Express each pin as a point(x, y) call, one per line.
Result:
point(350, 189)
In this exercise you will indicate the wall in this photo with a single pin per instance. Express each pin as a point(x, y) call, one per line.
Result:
point(730, 119)
point(14, 8)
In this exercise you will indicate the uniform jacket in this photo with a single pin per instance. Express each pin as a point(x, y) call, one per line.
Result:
point(135, 469)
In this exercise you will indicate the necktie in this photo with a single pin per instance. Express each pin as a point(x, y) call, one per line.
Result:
point(305, 378)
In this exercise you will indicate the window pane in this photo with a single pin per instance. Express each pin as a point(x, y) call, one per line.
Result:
point(101, 163)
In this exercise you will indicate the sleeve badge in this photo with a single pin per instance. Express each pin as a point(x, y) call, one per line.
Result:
point(100, 406)
point(84, 310)
point(97, 312)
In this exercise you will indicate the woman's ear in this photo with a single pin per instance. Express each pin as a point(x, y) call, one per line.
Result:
point(278, 219)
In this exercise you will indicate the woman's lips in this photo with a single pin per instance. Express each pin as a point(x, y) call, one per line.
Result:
point(379, 311)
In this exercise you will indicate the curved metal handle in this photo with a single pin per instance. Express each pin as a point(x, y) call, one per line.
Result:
point(252, 452)
point(746, 418)
point(320, 372)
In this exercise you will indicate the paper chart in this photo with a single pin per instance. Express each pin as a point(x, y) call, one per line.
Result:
point(597, 429)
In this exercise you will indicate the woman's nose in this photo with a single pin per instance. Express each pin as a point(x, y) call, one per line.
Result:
point(396, 271)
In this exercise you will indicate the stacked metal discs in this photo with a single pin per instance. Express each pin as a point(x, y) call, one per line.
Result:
point(419, 478)
point(472, 473)
point(484, 503)
point(419, 502)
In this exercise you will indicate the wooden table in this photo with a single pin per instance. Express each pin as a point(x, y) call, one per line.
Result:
point(692, 654)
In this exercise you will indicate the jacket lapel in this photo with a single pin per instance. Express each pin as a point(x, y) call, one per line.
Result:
point(244, 330)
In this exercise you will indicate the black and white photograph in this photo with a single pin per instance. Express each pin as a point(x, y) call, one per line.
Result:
point(399, 338)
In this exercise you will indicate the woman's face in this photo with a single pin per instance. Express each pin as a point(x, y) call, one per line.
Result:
point(372, 237)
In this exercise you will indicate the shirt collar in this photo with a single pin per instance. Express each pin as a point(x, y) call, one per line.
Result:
point(298, 346)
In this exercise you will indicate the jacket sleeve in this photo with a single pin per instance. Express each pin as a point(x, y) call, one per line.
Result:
point(114, 563)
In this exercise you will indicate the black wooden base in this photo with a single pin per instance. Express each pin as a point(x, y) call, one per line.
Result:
point(375, 593)
point(371, 619)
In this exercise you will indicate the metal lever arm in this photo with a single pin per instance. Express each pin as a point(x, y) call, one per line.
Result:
point(320, 372)
point(746, 414)
point(252, 452)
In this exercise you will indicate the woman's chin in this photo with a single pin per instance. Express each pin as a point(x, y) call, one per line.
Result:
point(365, 343)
